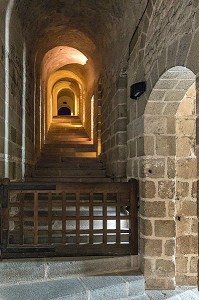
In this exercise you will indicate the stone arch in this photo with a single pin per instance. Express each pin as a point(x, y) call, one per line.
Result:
point(66, 98)
point(163, 223)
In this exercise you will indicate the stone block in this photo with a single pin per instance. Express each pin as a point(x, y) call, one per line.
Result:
point(171, 171)
point(154, 168)
point(105, 287)
point(151, 247)
point(155, 125)
point(165, 268)
point(187, 280)
point(171, 108)
point(171, 125)
point(185, 146)
point(146, 227)
point(147, 189)
point(160, 283)
point(165, 228)
point(194, 189)
point(132, 148)
point(166, 145)
point(166, 189)
point(182, 264)
point(169, 247)
point(187, 244)
point(186, 168)
point(149, 145)
point(183, 225)
point(194, 264)
point(155, 209)
point(166, 84)
point(121, 138)
point(174, 96)
point(157, 95)
point(194, 226)
point(171, 209)
point(182, 189)
point(154, 108)
point(189, 208)
point(186, 127)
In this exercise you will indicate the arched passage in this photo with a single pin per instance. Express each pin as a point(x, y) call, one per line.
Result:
point(168, 181)
point(64, 111)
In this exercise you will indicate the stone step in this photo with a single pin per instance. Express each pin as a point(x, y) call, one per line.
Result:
point(71, 145)
point(57, 172)
point(72, 160)
point(62, 156)
point(70, 165)
point(14, 271)
point(64, 138)
point(67, 149)
point(64, 142)
point(107, 286)
point(69, 179)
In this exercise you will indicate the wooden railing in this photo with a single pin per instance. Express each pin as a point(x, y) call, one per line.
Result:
point(68, 219)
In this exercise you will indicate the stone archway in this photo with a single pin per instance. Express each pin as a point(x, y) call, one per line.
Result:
point(167, 172)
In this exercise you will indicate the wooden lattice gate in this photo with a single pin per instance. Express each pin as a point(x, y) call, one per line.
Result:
point(68, 219)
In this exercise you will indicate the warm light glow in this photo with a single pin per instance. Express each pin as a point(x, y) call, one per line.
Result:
point(57, 81)
point(92, 117)
point(61, 56)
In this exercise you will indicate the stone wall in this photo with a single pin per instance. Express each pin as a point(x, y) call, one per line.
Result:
point(17, 91)
point(166, 37)
point(114, 126)
point(186, 192)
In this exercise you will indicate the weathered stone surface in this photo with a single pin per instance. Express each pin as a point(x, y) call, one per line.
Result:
point(166, 189)
point(194, 264)
point(155, 209)
point(154, 168)
point(166, 145)
point(147, 189)
point(165, 267)
point(182, 189)
point(145, 227)
point(165, 228)
point(189, 208)
point(169, 247)
point(187, 244)
point(182, 264)
point(152, 247)
point(186, 168)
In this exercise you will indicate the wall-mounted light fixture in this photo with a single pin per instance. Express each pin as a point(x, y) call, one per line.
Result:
point(137, 89)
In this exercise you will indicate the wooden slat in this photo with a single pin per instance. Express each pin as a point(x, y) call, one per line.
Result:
point(50, 218)
point(22, 220)
point(91, 218)
point(105, 218)
point(63, 217)
point(134, 217)
point(36, 207)
point(118, 219)
point(77, 218)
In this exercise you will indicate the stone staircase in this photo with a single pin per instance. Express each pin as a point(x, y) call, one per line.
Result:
point(68, 155)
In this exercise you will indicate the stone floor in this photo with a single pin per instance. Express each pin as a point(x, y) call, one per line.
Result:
point(181, 293)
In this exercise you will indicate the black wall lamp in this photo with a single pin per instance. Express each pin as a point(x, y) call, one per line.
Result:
point(137, 89)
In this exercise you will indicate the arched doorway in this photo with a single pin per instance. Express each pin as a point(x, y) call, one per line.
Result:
point(168, 176)
point(64, 111)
